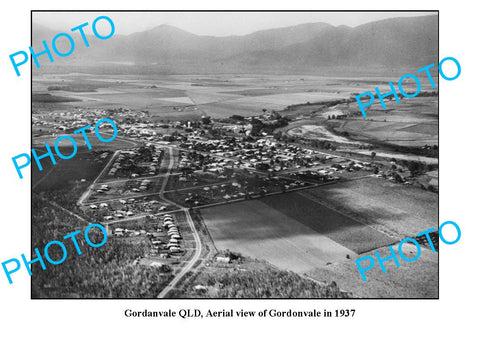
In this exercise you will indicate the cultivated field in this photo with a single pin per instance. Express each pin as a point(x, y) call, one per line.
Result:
point(189, 96)
point(257, 230)
point(402, 210)
point(412, 122)
point(312, 231)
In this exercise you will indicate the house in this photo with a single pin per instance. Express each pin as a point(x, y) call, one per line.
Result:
point(224, 259)
point(200, 288)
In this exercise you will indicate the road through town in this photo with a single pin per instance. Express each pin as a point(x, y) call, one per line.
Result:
point(198, 242)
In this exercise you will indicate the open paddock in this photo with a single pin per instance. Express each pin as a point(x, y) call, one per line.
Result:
point(85, 165)
point(255, 229)
point(412, 122)
point(118, 143)
point(399, 209)
point(418, 279)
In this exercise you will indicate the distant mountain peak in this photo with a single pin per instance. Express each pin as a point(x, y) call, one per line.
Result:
point(305, 48)
point(169, 29)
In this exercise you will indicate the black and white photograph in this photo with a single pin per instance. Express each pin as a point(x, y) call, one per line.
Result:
point(254, 170)
point(235, 155)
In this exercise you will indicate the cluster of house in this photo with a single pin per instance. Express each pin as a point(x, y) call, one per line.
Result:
point(329, 173)
point(263, 154)
point(62, 121)
point(103, 188)
point(128, 210)
point(120, 213)
point(173, 246)
point(125, 160)
point(228, 191)
point(244, 188)
point(128, 232)
point(143, 185)
point(173, 232)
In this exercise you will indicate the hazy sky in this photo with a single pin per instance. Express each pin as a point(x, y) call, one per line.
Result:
point(211, 23)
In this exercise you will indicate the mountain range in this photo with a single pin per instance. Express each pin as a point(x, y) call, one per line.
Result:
point(395, 43)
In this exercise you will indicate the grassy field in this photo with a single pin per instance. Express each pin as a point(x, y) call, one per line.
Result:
point(116, 144)
point(417, 279)
point(412, 122)
point(85, 165)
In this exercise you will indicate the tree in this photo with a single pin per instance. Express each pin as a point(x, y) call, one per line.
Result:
point(415, 167)
point(206, 120)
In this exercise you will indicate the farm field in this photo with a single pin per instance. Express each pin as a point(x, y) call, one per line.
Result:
point(339, 227)
point(85, 165)
point(255, 229)
point(190, 96)
point(117, 144)
point(412, 122)
point(399, 209)
point(312, 231)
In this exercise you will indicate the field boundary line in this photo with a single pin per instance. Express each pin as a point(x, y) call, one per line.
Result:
point(388, 232)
